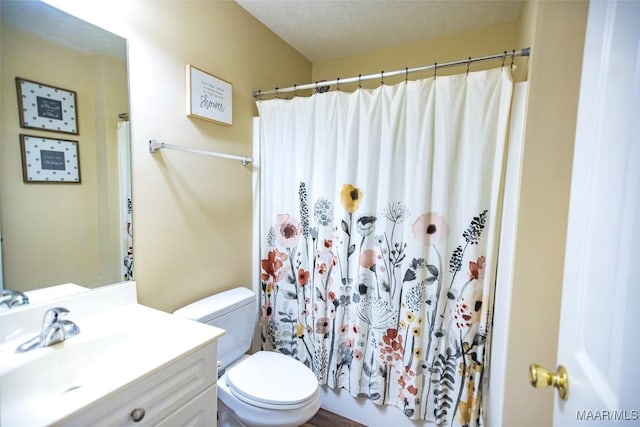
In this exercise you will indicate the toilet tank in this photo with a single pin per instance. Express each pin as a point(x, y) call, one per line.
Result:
point(235, 311)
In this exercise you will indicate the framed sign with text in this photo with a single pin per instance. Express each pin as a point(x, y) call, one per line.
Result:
point(49, 160)
point(46, 107)
point(208, 97)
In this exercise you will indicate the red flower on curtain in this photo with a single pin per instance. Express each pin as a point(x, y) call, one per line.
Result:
point(463, 316)
point(391, 346)
point(273, 266)
point(303, 276)
point(476, 269)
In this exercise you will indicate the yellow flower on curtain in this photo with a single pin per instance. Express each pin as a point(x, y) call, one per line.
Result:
point(351, 196)
point(464, 411)
point(470, 406)
point(300, 330)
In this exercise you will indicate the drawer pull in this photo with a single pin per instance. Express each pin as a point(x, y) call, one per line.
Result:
point(137, 415)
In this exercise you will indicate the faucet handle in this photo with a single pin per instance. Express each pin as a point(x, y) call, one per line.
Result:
point(54, 330)
point(53, 315)
point(57, 311)
point(11, 298)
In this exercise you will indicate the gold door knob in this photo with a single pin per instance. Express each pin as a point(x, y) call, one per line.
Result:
point(539, 377)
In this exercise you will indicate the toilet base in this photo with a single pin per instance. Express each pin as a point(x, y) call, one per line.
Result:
point(252, 416)
point(226, 417)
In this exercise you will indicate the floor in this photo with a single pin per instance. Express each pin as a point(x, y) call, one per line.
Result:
point(328, 419)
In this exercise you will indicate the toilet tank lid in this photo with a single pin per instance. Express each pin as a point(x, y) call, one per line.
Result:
point(216, 305)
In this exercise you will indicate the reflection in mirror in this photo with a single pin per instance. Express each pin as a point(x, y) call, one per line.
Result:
point(61, 232)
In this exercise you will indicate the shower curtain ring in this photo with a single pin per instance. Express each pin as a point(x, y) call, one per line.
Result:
point(513, 55)
point(468, 65)
point(295, 90)
point(382, 77)
point(359, 81)
point(277, 94)
point(259, 94)
point(504, 56)
point(338, 84)
point(406, 74)
point(435, 70)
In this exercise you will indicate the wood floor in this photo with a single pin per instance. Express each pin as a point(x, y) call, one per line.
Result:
point(329, 419)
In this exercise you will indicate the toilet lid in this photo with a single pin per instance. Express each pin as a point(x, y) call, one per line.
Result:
point(270, 379)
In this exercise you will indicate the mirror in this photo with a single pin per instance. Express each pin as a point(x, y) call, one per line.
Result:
point(56, 232)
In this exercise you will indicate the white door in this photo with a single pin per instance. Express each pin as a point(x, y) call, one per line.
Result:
point(599, 341)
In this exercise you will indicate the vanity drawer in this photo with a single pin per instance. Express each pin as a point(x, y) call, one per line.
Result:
point(156, 397)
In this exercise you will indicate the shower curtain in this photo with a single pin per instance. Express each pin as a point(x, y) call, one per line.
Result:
point(126, 223)
point(378, 224)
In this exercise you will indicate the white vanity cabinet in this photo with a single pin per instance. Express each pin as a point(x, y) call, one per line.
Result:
point(130, 365)
point(180, 393)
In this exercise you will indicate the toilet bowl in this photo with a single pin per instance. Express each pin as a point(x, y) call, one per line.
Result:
point(265, 389)
point(269, 389)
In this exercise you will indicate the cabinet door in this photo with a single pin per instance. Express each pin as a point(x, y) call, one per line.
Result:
point(200, 412)
point(156, 397)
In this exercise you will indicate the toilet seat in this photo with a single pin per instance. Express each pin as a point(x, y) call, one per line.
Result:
point(272, 380)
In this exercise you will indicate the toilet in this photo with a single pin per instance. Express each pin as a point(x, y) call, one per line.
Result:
point(260, 390)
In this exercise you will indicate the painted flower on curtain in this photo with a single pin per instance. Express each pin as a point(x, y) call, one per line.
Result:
point(430, 228)
point(391, 320)
point(351, 196)
point(273, 271)
point(288, 231)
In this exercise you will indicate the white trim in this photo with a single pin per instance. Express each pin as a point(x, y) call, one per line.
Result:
point(255, 250)
point(504, 275)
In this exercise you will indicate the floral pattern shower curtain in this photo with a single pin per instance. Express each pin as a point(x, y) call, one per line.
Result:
point(378, 224)
point(124, 180)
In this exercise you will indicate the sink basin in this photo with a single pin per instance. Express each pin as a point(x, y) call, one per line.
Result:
point(58, 379)
point(113, 350)
point(66, 367)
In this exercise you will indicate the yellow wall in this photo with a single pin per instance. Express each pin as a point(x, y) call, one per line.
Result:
point(193, 214)
point(453, 47)
point(557, 30)
point(56, 233)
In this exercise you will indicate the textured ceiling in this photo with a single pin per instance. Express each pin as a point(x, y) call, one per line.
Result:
point(329, 29)
point(319, 29)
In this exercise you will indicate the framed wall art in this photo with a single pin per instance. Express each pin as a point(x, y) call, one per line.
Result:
point(46, 107)
point(49, 160)
point(208, 97)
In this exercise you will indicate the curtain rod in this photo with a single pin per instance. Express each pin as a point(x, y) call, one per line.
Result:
point(324, 85)
point(156, 145)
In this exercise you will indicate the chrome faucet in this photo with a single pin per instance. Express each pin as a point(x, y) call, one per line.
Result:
point(12, 298)
point(54, 330)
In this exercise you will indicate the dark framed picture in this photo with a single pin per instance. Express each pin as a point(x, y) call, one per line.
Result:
point(49, 160)
point(46, 107)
